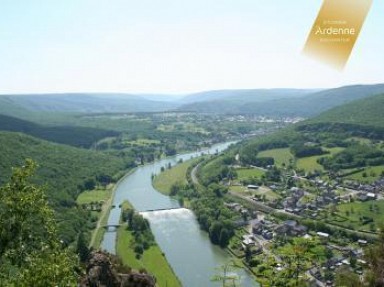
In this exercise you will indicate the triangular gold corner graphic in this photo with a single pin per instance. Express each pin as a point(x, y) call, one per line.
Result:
point(335, 31)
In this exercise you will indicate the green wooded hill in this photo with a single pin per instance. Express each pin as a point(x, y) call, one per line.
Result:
point(362, 117)
point(368, 111)
point(64, 170)
point(70, 135)
point(281, 102)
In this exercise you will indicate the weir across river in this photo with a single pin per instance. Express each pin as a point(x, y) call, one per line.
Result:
point(160, 209)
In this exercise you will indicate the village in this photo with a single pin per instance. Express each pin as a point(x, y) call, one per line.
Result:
point(314, 214)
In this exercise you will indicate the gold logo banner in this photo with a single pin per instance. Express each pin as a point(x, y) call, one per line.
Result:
point(335, 31)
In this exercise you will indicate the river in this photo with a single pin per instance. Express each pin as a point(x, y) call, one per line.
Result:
point(188, 249)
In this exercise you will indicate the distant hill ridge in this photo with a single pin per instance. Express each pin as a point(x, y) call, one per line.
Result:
point(263, 102)
point(80, 103)
point(303, 103)
point(244, 95)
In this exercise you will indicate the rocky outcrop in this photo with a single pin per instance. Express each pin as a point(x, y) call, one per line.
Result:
point(102, 270)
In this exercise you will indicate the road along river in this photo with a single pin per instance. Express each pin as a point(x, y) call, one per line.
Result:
point(188, 249)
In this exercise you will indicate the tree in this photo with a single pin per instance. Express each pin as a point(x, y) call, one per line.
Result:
point(224, 237)
point(175, 188)
point(214, 232)
point(127, 216)
point(30, 251)
point(227, 276)
point(248, 253)
point(82, 248)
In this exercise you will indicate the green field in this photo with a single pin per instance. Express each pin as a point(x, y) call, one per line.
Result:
point(93, 195)
point(350, 214)
point(360, 140)
point(281, 155)
point(309, 164)
point(262, 190)
point(335, 150)
point(368, 175)
point(244, 173)
point(177, 174)
point(152, 260)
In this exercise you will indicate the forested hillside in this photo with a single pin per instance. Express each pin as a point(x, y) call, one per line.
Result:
point(368, 111)
point(74, 136)
point(362, 118)
point(64, 170)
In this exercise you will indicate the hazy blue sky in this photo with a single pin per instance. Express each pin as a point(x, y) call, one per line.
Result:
point(172, 46)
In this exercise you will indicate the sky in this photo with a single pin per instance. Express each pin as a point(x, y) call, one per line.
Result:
point(173, 46)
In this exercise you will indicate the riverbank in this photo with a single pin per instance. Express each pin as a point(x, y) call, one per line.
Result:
point(188, 249)
point(171, 180)
point(152, 260)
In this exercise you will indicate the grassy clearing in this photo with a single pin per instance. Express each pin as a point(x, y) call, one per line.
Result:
point(281, 155)
point(368, 175)
point(262, 190)
point(351, 214)
point(309, 164)
point(244, 173)
point(269, 194)
point(334, 150)
point(177, 174)
point(94, 195)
